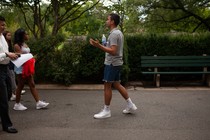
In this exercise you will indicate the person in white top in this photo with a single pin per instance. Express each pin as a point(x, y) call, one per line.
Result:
point(5, 57)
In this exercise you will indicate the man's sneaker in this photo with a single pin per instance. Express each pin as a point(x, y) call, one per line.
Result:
point(103, 114)
point(19, 106)
point(41, 104)
point(13, 97)
point(130, 108)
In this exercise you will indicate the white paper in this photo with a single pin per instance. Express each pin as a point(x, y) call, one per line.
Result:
point(22, 59)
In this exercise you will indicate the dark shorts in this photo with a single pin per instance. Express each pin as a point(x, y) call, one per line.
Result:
point(112, 73)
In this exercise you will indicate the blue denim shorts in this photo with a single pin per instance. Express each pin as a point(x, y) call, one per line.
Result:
point(112, 73)
point(18, 70)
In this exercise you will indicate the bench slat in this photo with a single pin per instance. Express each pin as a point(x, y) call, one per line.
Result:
point(175, 72)
point(175, 65)
point(175, 57)
point(175, 61)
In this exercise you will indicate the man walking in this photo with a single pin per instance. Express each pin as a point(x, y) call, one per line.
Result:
point(5, 57)
point(113, 64)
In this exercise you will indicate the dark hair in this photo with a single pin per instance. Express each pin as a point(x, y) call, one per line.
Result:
point(115, 17)
point(19, 36)
point(9, 42)
point(2, 18)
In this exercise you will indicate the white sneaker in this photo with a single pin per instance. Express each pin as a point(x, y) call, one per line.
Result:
point(41, 104)
point(19, 106)
point(13, 97)
point(130, 108)
point(23, 92)
point(103, 114)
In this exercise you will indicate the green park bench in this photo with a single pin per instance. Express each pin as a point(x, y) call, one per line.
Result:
point(156, 64)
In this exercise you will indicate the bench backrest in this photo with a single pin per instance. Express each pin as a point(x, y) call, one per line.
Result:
point(175, 61)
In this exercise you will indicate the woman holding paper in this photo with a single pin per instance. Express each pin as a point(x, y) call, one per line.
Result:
point(25, 72)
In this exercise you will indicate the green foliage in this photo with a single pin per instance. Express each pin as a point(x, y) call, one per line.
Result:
point(126, 69)
point(87, 25)
point(44, 51)
point(187, 16)
point(66, 62)
point(92, 62)
point(164, 44)
point(76, 61)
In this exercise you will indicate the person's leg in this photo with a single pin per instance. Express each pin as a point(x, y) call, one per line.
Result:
point(12, 77)
point(107, 93)
point(13, 85)
point(9, 84)
point(130, 105)
point(18, 105)
point(39, 104)
point(20, 86)
point(32, 88)
point(4, 106)
point(105, 113)
point(121, 89)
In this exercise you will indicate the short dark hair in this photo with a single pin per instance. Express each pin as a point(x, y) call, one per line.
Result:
point(2, 18)
point(115, 18)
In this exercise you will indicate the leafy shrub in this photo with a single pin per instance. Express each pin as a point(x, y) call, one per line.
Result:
point(44, 51)
point(163, 44)
point(77, 61)
point(66, 61)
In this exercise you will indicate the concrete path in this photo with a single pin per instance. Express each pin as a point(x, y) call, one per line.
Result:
point(163, 114)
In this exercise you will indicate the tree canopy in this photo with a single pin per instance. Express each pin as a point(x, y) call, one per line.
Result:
point(55, 14)
point(178, 15)
point(50, 18)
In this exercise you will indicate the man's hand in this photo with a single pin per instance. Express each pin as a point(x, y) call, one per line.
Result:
point(12, 56)
point(95, 43)
point(111, 50)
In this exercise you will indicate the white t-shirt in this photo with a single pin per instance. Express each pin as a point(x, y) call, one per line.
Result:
point(3, 48)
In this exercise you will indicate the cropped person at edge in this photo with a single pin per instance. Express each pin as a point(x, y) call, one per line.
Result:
point(5, 57)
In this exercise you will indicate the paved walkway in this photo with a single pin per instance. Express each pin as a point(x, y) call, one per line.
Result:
point(133, 86)
point(163, 114)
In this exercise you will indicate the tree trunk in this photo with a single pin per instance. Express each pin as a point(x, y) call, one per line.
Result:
point(56, 9)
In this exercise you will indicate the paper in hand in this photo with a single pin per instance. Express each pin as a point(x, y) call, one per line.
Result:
point(22, 59)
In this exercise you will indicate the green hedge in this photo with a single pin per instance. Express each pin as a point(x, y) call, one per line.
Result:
point(44, 51)
point(164, 44)
point(79, 62)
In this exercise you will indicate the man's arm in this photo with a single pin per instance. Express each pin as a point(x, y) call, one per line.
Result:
point(112, 50)
point(3, 55)
point(12, 56)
